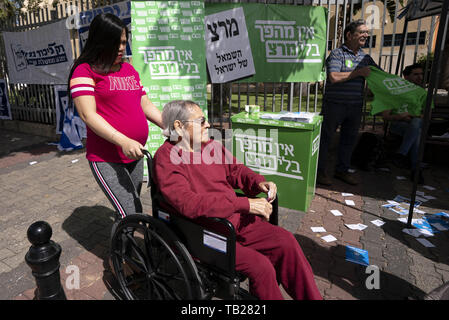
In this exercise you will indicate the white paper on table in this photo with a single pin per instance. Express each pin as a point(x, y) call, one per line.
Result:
point(318, 229)
point(378, 222)
point(350, 202)
point(429, 188)
point(420, 193)
point(344, 194)
point(329, 238)
point(336, 213)
point(429, 197)
point(426, 243)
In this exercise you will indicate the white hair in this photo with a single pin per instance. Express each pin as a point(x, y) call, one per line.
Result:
point(175, 110)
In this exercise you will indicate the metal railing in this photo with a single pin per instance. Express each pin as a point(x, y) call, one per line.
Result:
point(36, 103)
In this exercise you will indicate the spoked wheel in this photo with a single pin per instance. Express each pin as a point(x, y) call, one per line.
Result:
point(150, 263)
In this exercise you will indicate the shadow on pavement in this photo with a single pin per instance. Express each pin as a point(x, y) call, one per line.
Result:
point(91, 227)
point(329, 263)
point(440, 253)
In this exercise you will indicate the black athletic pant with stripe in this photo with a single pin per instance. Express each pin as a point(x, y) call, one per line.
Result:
point(121, 183)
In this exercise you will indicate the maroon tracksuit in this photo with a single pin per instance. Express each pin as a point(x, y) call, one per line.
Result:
point(202, 184)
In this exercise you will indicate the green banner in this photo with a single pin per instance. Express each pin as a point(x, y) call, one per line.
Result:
point(394, 93)
point(168, 51)
point(288, 42)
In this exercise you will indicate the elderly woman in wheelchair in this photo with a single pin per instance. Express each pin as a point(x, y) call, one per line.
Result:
point(207, 237)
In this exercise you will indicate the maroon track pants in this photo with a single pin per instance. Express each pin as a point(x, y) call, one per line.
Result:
point(265, 254)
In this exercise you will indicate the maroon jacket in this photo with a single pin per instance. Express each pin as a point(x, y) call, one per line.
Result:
point(202, 184)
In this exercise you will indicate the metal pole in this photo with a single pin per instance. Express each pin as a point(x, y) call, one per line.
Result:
point(401, 48)
point(430, 92)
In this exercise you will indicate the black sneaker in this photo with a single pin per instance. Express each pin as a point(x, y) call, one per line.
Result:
point(323, 178)
point(347, 177)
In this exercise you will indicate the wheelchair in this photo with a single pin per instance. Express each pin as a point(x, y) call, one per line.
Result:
point(167, 256)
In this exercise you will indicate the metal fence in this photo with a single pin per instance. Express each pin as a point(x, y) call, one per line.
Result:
point(36, 103)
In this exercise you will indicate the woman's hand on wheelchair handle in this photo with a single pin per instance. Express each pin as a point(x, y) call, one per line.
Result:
point(269, 188)
point(260, 206)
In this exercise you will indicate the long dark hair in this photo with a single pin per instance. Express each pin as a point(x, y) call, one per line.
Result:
point(103, 42)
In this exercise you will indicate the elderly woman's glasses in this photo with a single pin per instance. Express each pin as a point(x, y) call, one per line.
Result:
point(202, 120)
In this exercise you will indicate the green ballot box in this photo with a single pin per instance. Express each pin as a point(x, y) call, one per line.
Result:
point(283, 147)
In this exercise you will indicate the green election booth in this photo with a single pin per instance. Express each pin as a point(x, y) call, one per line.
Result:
point(283, 147)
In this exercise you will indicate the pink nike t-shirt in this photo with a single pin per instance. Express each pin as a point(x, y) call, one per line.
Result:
point(118, 100)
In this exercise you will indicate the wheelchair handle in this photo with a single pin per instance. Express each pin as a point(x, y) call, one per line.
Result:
point(146, 153)
point(149, 159)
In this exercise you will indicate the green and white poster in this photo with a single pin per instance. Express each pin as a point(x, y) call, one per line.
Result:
point(392, 92)
point(169, 52)
point(288, 43)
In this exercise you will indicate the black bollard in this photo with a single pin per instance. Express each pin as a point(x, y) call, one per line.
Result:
point(43, 259)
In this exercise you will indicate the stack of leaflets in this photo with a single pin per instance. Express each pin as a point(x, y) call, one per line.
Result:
point(306, 117)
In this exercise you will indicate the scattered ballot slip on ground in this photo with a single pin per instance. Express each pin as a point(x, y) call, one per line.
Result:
point(425, 243)
point(344, 194)
point(357, 255)
point(336, 213)
point(357, 226)
point(413, 232)
point(329, 238)
point(350, 202)
point(318, 229)
point(378, 222)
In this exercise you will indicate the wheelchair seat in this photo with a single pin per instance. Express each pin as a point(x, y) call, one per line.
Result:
point(169, 256)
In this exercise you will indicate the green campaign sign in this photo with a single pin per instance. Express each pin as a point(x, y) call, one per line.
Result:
point(168, 51)
point(288, 43)
point(392, 92)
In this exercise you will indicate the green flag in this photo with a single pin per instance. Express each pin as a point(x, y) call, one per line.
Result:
point(392, 92)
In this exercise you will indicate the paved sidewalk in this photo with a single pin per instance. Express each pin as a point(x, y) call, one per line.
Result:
point(60, 189)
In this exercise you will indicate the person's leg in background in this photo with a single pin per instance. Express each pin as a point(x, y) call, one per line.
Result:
point(348, 137)
point(332, 117)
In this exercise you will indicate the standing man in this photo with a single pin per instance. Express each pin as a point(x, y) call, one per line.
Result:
point(347, 67)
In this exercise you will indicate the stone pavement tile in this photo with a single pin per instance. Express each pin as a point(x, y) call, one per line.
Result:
point(4, 268)
point(97, 289)
point(336, 292)
point(27, 295)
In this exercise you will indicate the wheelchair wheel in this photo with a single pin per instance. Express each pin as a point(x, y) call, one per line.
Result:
point(150, 263)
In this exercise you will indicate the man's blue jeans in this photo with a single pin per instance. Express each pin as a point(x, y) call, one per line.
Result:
point(348, 116)
point(411, 133)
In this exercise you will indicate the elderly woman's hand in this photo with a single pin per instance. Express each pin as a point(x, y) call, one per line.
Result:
point(260, 206)
point(270, 189)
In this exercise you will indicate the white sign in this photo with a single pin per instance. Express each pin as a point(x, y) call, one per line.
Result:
point(39, 56)
point(5, 108)
point(228, 51)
